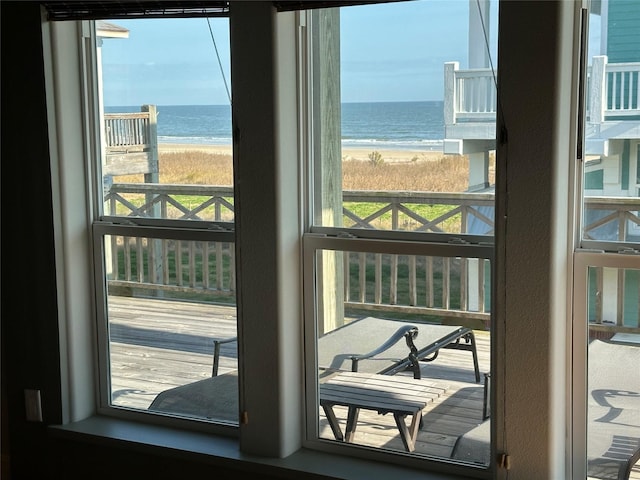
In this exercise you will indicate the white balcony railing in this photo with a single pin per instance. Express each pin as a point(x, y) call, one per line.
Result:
point(613, 93)
point(469, 95)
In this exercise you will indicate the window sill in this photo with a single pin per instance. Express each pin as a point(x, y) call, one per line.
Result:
point(224, 451)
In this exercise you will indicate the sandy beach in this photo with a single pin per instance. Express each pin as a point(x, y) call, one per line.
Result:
point(361, 154)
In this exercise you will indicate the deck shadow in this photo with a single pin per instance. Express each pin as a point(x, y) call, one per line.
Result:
point(183, 342)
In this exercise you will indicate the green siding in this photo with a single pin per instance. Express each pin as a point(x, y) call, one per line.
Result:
point(630, 306)
point(594, 180)
point(623, 42)
point(630, 302)
point(638, 164)
point(625, 162)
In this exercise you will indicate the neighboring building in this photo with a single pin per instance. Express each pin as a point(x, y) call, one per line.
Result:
point(612, 123)
point(613, 107)
point(611, 129)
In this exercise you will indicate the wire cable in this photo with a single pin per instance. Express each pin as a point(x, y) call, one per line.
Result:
point(224, 79)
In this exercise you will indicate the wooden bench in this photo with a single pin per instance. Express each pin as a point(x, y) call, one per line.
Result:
point(398, 395)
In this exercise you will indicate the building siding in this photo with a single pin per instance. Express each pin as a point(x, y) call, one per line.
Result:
point(623, 43)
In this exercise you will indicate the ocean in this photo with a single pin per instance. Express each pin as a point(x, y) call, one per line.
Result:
point(383, 125)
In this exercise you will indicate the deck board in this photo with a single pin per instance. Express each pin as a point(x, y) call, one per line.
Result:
point(155, 348)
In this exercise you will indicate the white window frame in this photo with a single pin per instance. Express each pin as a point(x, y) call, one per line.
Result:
point(403, 243)
point(318, 238)
point(83, 208)
point(102, 226)
point(583, 259)
point(175, 230)
point(588, 253)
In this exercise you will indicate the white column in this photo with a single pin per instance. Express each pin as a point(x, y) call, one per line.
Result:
point(478, 19)
point(478, 170)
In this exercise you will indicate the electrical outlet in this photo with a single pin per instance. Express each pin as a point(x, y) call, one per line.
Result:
point(33, 405)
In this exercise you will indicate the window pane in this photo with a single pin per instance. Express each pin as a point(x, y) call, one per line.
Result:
point(402, 136)
point(613, 395)
point(611, 174)
point(166, 118)
point(168, 301)
point(404, 122)
point(165, 136)
point(435, 404)
point(608, 292)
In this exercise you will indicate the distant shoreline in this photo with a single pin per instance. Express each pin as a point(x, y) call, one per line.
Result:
point(349, 153)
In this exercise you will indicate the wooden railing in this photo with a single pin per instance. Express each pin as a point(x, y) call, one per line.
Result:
point(428, 286)
point(613, 218)
point(448, 212)
point(157, 200)
point(161, 266)
point(131, 143)
point(422, 285)
point(124, 130)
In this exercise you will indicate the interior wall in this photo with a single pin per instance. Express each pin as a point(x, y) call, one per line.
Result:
point(69, 460)
point(536, 97)
point(30, 356)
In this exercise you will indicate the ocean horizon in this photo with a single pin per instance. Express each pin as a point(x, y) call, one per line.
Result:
point(374, 125)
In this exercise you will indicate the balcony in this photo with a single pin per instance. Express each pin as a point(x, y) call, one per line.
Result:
point(612, 105)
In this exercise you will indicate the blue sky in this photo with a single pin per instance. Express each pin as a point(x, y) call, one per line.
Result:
point(390, 52)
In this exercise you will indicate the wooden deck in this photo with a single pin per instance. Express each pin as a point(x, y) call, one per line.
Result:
point(157, 345)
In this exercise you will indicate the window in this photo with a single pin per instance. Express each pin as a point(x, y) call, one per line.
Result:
point(400, 239)
point(164, 241)
point(607, 265)
point(394, 253)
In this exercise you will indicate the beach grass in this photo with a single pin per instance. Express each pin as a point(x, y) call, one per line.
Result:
point(444, 174)
point(433, 173)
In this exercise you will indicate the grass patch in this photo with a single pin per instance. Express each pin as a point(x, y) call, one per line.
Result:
point(449, 173)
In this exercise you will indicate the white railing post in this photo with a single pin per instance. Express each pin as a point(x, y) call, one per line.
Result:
point(450, 92)
point(597, 89)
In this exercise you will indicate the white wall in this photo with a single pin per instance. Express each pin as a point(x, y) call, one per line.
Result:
point(533, 211)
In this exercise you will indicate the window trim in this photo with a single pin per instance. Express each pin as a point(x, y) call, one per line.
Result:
point(319, 237)
point(583, 259)
point(99, 225)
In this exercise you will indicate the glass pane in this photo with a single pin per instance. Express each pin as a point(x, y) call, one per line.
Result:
point(425, 390)
point(165, 115)
point(611, 203)
point(613, 401)
point(611, 169)
point(171, 321)
point(404, 124)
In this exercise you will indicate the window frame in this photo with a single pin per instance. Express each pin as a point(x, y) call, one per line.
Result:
point(76, 337)
point(100, 225)
point(586, 253)
point(583, 259)
point(179, 230)
point(403, 245)
point(317, 238)
point(159, 228)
